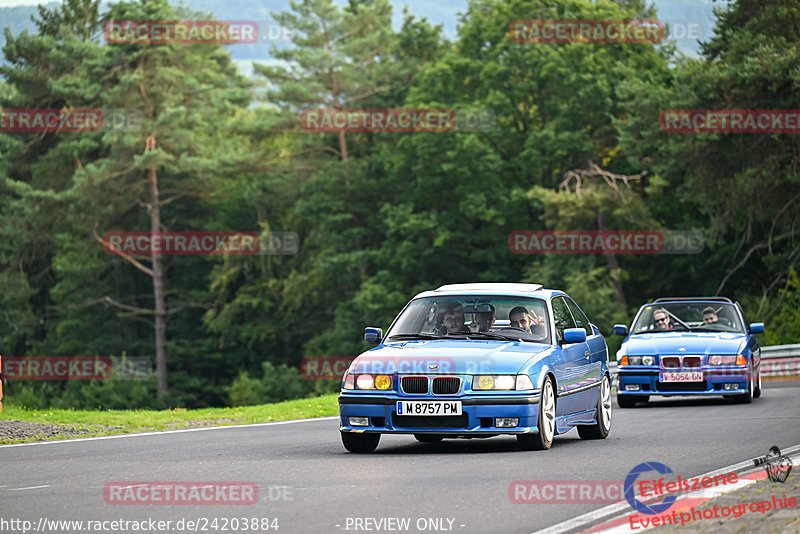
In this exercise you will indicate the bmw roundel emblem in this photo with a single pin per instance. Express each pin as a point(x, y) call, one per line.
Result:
point(433, 366)
point(682, 349)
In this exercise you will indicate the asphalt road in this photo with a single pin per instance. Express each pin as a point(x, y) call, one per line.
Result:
point(465, 481)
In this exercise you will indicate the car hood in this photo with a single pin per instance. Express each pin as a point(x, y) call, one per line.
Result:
point(448, 357)
point(691, 342)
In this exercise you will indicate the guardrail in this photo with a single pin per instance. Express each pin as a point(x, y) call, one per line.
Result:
point(776, 361)
point(780, 360)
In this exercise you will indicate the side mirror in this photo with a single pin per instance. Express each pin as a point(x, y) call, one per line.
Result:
point(756, 328)
point(620, 330)
point(372, 334)
point(574, 335)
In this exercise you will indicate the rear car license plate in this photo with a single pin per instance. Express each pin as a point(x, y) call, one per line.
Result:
point(682, 376)
point(428, 407)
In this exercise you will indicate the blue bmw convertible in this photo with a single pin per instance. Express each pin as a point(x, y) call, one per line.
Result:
point(689, 346)
point(480, 360)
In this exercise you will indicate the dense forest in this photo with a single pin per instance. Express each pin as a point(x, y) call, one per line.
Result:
point(575, 144)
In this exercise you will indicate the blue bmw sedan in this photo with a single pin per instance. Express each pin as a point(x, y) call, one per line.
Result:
point(689, 346)
point(480, 360)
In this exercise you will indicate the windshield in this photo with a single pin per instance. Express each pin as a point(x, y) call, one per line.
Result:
point(473, 317)
point(688, 316)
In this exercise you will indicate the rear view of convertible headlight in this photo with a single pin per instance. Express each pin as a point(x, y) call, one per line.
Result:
point(493, 382)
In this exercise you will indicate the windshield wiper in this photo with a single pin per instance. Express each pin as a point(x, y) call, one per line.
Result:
point(415, 336)
point(487, 335)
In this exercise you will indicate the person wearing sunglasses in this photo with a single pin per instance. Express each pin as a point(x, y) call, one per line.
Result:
point(662, 320)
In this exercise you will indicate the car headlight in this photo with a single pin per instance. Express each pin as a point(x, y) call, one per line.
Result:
point(638, 360)
point(383, 382)
point(349, 381)
point(366, 381)
point(524, 383)
point(727, 359)
point(493, 382)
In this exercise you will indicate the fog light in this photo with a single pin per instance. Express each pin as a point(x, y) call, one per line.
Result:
point(632, 387)
point(731, 386)
point(506, 422)
point(358, 421)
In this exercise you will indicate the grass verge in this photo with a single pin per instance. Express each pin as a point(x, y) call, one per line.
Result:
point(127, 421)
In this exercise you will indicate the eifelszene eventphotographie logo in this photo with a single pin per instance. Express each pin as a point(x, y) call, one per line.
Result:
point(775, 464)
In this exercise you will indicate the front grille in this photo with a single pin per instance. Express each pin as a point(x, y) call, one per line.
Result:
point(429, 421)
point(681, 386)
point(414, 384)
point(671, 362)
point(446, 385)
point(692, 361)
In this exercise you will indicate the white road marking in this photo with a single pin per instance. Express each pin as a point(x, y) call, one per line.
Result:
point(29, 487)
point(163, 432)
point(610, 512)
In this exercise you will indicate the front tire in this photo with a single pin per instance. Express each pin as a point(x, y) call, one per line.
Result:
point(542, 440)
point(360, 443)
point(600, 429)
point(757, 390)
point(747, 398)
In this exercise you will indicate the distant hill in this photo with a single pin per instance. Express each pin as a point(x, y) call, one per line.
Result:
point(694, 14)
point(18, 19)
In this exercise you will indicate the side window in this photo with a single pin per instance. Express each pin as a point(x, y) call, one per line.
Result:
point(561, 316)
point(580, 319)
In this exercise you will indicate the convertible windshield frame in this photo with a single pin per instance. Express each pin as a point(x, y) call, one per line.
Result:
point(422, 317)
point(687, 316)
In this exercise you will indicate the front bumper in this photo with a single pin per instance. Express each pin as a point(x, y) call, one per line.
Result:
point(478, 414)
point(714, 380)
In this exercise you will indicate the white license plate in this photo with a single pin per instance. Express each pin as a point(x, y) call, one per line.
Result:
point(682, 376)
point(428, 407)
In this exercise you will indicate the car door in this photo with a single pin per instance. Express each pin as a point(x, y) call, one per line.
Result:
point(571, 360)
point(595, 342)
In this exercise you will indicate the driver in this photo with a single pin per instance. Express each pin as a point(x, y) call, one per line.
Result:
point(484, 320)
point(453, 318)
point(662, 320)
point(530, 322)
point(710, 316)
